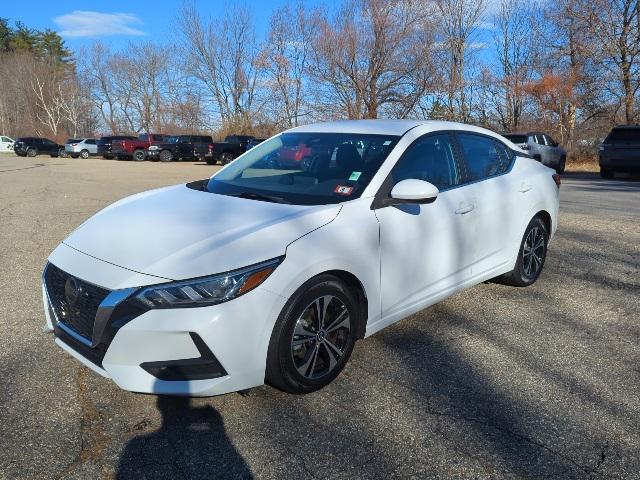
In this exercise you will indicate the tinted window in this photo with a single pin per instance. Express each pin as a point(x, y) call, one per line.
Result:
point(305, 168)
point(144, 136)
point(623, 135)
point(5, 139)
point(485, 157)
point(430, 158)
point(516, 138)
point(550, 141)
point(90, 141)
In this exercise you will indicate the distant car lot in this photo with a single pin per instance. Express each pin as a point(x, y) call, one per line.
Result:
point(494, 383)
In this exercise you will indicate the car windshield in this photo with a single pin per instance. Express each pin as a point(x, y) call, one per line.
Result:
point(516, 138)
point(305, 168)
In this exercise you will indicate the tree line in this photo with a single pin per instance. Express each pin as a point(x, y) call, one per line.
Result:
point(568, 67)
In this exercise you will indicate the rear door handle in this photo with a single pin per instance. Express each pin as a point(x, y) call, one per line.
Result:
point(524, 188)
point(464, 207)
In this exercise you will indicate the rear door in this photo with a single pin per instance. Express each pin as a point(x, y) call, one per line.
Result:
point(91, 145)
point(488, 163)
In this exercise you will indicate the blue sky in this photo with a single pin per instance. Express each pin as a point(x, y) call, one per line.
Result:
point(116, 22)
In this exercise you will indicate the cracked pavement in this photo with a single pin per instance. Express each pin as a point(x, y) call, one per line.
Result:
point(495, 382)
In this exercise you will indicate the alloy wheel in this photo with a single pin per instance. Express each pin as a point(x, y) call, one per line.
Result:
point(533, 252)
point(320, 337)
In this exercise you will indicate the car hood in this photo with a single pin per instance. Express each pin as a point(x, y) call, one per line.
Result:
point(179, 232)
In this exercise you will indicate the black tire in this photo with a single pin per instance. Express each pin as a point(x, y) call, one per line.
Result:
point(529, 266)
point(73, 156)
point(139, 155)
point(321, 353)
point(606, 173)
point(84, 154)
point(165, 156)
point(561, 166)
point(31, 152)
point(107, 157)
point(226, 158)
point(211, 161)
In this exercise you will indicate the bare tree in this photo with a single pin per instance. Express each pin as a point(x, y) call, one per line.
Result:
point(615, 27)
point(515, 51)
point(374, 56)
point(220, 54)
point(460, 19)
point(285, 59)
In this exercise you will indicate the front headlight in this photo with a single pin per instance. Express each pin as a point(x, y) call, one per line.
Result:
point(153, 147)
point(204, 291)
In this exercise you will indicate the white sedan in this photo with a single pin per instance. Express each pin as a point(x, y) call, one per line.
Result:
point(270, 270)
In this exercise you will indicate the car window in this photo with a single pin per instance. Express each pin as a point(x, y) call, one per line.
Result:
point(540, 140)
point(623, 135)
point(484, 156)
point(90, 141)
point(550, 141)
point(430, 158)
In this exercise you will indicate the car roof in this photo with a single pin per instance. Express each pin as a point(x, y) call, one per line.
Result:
point(385, 127)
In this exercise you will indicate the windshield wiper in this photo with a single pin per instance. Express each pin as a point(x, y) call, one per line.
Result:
point(260, 197)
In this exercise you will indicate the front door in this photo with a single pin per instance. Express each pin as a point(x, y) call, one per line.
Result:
point(426, 250)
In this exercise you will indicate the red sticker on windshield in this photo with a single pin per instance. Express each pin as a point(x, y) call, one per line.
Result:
point(343, 189)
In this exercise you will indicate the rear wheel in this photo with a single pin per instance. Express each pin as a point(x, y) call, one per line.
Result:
point(31, 152)
point(313, 337)
point(533, 252)
point(165, 156)
point(84, 154)
point(211, 161)
point(606, 173)
point(139, 155)
point(561, 165)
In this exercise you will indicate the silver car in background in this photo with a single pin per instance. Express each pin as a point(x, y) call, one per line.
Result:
point(81, 147)
point(541, 147)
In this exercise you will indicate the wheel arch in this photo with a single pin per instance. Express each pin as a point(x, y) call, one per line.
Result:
point(546, 218)
point(355, 286)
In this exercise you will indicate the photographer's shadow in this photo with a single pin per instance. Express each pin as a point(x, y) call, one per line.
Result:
point(190, 443)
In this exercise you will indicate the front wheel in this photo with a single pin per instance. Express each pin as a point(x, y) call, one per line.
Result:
point(533, 252)
point(606, 173)
point(313, 337)
point(31, 152)
point(165, 156)
point(84, 154)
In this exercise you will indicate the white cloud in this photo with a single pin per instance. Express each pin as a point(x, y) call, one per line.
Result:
point(81, 23)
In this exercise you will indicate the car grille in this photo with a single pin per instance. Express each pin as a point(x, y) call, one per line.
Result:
point(74, 301)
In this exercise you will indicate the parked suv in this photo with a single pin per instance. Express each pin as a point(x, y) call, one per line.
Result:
point(32, 146)
point(81, 147)
point(179, 147)
point(104, 144)
point(620, 151)
point(541, 147)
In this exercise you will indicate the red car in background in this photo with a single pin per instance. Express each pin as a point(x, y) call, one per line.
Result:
point(293, 155)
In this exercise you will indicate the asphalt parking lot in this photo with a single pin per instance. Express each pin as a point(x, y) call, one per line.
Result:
point(496, 382)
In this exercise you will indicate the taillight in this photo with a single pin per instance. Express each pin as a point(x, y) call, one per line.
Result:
point(556, 178)
point(210, 148)
point(74, 144)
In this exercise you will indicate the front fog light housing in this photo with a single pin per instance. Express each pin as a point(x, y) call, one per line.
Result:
point(200, 292)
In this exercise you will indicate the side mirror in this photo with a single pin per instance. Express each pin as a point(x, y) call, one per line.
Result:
point(414, 191)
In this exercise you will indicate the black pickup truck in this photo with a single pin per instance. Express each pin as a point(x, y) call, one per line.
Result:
point(178, 147)
point(232, 147)
point(620, 151)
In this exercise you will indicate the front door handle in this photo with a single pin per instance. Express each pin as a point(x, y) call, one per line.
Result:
point(464, 207)
point(524, 188)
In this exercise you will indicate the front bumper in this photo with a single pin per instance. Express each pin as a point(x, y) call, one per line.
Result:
point(233, 334)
